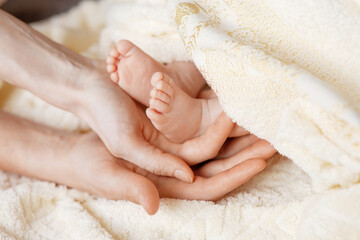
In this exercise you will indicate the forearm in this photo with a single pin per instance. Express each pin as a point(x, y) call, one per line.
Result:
point(31, 149)
point(30, 60)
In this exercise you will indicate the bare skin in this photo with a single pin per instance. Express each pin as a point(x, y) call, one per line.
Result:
point(80, 85)
point(170, 93)
point(132, 68)
point(126, 143)
point(175, 113)
point(83, 162)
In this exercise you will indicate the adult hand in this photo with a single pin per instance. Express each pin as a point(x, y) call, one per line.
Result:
point(82, 86)
point(120, 179)
point(128, 133)
point(211, 144)
point(82, 161)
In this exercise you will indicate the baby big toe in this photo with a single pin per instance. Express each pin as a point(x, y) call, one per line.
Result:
point(156, 77)
point(124, 47)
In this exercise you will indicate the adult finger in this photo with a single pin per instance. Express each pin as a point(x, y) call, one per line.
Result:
point(259, 150)
point(211, 188)
point(122, 184)
point(154, 160)
point(138, 148)
point(235, 145)
point(207, 93)
point(238, 131)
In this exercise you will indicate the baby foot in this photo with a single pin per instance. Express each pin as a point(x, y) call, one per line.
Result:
point(132, 68)
point(177, 115)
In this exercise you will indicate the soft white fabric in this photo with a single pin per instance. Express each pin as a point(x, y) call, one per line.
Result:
point(277, 204)
point(288, 72)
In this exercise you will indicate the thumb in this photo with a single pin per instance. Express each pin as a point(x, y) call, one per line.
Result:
point(128, 185)
point(154, 160)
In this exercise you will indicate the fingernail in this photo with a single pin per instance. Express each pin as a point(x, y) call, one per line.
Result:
point(183, 176)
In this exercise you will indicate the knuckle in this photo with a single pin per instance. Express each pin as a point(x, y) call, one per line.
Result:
point(210, 154)
point(154, 167)
point(213, 153)
point(116, 150)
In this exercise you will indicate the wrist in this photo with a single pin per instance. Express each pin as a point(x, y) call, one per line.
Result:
point(48, 156)
point(40, 150)
point(51, 71)
point(83, 86)
point(74, 79)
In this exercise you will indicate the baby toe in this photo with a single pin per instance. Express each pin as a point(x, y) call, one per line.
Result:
point(114, 53)
point(168, 80)
point(156, 94)
point(159, 106)
point(111, 68)
point(114, 77)
point(156, 77)
point(165, 88)
point(110, 60)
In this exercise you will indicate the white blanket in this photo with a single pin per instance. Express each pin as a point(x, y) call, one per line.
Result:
point(288, 72)
point(279, 203)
